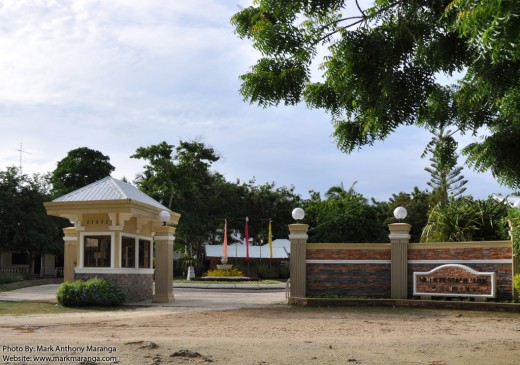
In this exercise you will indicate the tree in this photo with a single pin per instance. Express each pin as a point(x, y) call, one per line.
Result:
point(81, 166)
point(180, 178)
point(446, 179)
point(338, 191)
point(264, 203)
point(384, 64)
point(465, 219)
point(25, 226)
point(417, 204)
point(346, 217)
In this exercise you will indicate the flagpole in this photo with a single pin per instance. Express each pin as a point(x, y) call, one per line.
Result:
point(270, 241)
point(247, 245)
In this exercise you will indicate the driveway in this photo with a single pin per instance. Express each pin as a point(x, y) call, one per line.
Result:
point(187, 296)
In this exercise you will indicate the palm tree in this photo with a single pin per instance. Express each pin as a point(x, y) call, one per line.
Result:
point(465, 219)
point(338, 191)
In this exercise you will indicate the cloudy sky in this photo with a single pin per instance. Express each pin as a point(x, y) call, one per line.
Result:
point(118, 75)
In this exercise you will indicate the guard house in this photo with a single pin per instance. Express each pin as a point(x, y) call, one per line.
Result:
point(115, 227)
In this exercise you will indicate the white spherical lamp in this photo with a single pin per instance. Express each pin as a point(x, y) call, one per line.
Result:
point(164, 216)
point(298, 214)
point(400, 213)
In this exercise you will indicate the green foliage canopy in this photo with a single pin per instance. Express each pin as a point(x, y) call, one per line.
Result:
point(81, 166)
point(417, 204)
point(342, 217)
point(24, 223)
point(466, 219)
point(384, 66)
point(179, 178)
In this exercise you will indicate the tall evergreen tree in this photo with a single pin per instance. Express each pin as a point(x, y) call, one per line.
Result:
point(446, 179)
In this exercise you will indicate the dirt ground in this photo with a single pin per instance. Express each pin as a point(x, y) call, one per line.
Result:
point(277, 334)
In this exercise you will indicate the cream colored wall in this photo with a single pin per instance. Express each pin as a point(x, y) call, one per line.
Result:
point(95, 223)
point(6, 258)
point(50, 265)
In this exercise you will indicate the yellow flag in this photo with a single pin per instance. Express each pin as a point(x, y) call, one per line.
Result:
point(270, 240)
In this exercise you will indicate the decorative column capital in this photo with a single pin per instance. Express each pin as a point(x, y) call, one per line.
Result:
point(399, 232)
point(70, 232)
point(165, 233)
point(298, 231)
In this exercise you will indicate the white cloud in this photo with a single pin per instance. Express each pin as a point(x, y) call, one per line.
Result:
point(118, 75)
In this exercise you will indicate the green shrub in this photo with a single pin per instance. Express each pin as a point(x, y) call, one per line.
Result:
point(262, 270)
point(513, 217)
point(186, 261)
point(239, 265)
point(516, 282)
point(231, 272)
point(93, 292)
point(285, 272)
point(10, 278)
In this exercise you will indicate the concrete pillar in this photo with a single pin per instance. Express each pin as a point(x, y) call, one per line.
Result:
point(116, 252)
point(70, 253)
point(164, 237)
point(298, 237)
point(399, 239)
point(514, 224)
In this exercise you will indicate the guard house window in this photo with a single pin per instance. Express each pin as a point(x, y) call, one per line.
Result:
point(144, 254)
point(128, 252)
point(96, 251)
point(19, 258)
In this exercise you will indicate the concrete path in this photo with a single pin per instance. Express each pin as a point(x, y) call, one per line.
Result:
point(40, 293)
point(187, 296)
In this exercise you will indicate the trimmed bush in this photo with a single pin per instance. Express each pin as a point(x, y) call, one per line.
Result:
point(516, 282)
point(93, 292)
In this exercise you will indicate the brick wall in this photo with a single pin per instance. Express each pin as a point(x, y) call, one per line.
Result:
point(480, 256)
point(361, 270)
point(364, 270)
point(359, 280)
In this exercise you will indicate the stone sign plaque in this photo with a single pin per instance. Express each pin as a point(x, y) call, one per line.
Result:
point(454, 280)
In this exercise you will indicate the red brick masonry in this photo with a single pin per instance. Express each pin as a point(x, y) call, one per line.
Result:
point(364, 270)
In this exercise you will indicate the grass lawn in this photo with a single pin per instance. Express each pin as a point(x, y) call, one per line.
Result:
point(25, 308)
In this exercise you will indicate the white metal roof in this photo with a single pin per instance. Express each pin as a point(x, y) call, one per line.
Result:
point(510, 199)
point(109, 189)
point(281, 249)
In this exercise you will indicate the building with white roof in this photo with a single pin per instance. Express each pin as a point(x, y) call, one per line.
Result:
point(237, 254)
point(112, 237)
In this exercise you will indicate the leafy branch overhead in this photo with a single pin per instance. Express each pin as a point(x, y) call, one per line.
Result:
point(377, 68)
